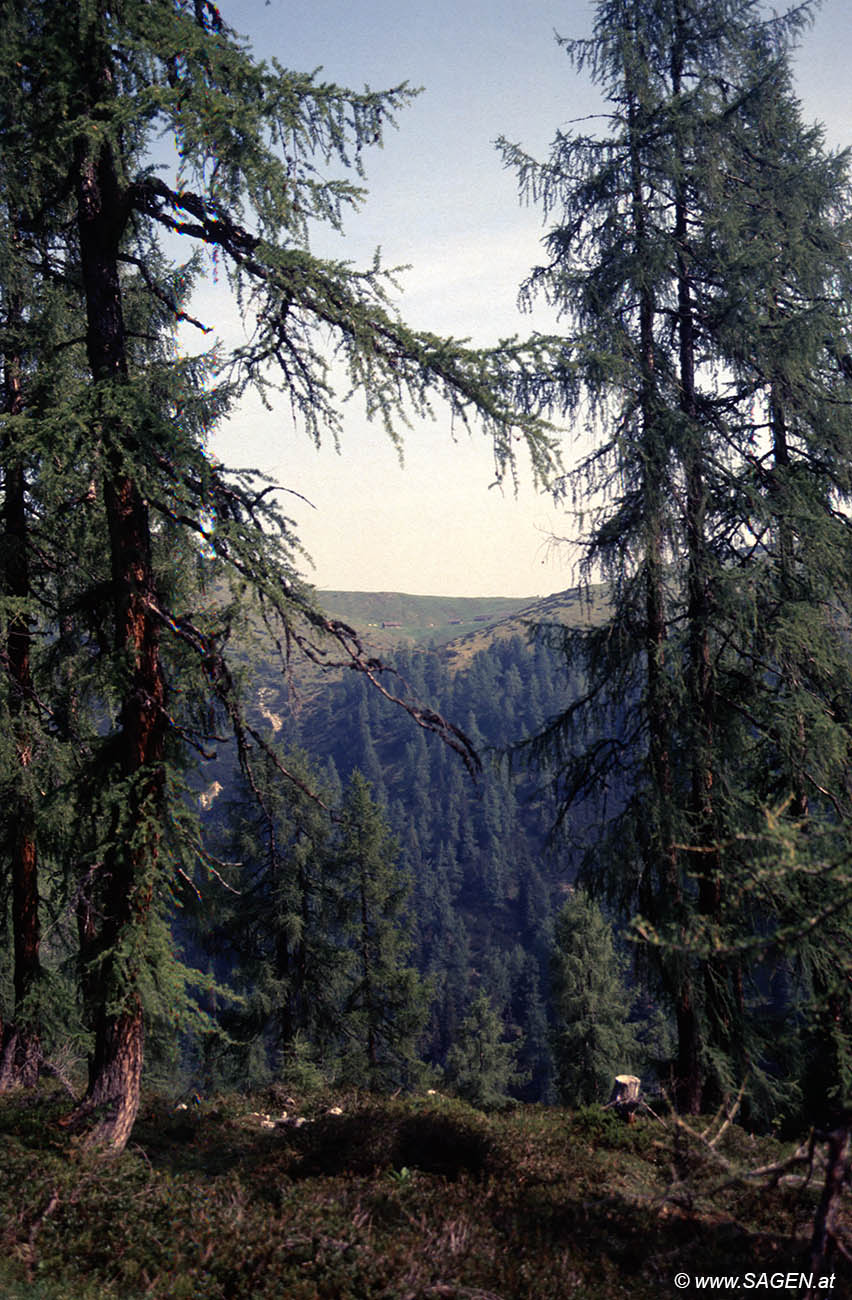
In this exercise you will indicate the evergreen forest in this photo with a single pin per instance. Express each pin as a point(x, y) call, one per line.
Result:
point(476, 886)
point(251, 847)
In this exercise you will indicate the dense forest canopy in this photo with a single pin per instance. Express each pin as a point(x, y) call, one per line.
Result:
point(220, 829)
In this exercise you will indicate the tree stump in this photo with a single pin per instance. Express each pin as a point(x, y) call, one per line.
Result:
point(625, 1096)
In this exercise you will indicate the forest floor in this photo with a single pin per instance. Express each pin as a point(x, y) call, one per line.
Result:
point(417, 1198)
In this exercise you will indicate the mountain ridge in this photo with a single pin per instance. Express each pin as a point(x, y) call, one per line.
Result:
point(458, 625)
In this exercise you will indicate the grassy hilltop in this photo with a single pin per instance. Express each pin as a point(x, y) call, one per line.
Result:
point(461, 625)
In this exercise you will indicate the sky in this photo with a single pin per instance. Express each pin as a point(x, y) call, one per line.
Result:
point(441, 202)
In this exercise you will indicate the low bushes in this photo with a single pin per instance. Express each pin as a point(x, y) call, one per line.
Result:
point(404, 1199)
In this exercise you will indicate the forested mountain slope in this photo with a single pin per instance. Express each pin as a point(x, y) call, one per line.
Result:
point(485, 882)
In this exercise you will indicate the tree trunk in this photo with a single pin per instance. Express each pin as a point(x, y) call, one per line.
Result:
point(367, 973)
point(663, 851)
point(699, 675)
point(123, 885)
point(109, 1108)
point(20, 1047)
point(778, 487)
point(688, 1091)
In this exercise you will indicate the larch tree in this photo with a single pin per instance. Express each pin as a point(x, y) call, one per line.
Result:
point(783, 325)
point(645, 267)
point(245, 189)
point(40, 357)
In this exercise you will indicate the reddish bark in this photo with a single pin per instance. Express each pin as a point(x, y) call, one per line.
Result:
point(20, 1047)
point(123, 885)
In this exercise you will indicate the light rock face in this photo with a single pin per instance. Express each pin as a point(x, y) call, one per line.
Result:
point(264, 696)
point(207, 796)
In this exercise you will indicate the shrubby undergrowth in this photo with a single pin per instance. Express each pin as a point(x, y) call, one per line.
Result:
point(391, 1199)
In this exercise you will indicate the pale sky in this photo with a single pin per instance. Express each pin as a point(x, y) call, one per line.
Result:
point(440, 199)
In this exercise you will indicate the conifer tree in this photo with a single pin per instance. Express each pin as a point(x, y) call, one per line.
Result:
point(279, 932)
point(787, 211)
point(481, 1065)
point(592, 1040)
point(536, 1055)
point(386, 1004)
point(40, 357)
point(655, 286)
point(244, 190)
